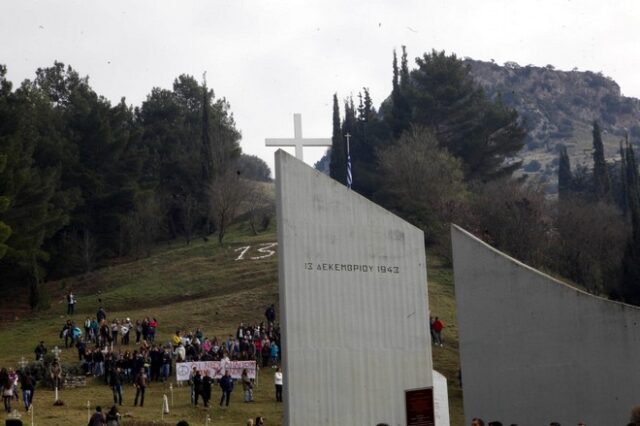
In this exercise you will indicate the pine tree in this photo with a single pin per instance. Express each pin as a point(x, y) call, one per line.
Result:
point(564, 175)
point(483, 133)
point(338, 164)
point(601, 182)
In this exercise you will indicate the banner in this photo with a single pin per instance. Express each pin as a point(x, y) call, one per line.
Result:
point(216, 369)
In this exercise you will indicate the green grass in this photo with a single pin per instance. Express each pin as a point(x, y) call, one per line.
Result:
point(199, 285)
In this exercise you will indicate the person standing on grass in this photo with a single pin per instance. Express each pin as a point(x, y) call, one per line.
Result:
point(438, 326)
point(71, 303)
point(116, 385)
point(141, 385)
point(247, 386)
point(115, 327)
point(7, 389)
point(40, 351)
point(275, 353)
point(207, 381)
point(197, 387)
point(27, 383)
point(278, 380)
point(270, 314)
point(226, 384)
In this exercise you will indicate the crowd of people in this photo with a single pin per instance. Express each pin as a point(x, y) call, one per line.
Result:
point(107, 350)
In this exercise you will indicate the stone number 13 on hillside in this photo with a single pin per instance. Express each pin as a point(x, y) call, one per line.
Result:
point(263, 248)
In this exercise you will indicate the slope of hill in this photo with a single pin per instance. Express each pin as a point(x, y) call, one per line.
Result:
point(200, 285)
point(559, 107)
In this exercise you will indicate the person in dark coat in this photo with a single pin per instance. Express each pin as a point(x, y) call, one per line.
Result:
point(98, 418)
point(141, 385)
point(206, 388)
point(197, 387)
point(116, 385)
point(226, 384)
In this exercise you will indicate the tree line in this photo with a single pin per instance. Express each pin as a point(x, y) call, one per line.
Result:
point(440, 150)
point(83, 181)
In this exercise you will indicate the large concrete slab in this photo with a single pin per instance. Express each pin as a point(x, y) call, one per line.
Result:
point(353, 301)
point(535, 350)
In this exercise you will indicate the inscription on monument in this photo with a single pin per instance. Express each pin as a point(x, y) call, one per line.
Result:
point(351, 267)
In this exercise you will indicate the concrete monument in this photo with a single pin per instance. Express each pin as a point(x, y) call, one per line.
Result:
point(353, 300)
point(534, 349)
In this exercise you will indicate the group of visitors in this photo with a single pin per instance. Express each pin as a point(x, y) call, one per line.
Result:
point(259, 342)
point(9, 381)
point(102, 347)
point(102, 351)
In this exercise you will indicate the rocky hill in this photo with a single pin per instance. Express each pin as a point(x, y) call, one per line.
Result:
point(558, 107)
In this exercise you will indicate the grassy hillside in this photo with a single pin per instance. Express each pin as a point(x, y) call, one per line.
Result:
point(200, 285)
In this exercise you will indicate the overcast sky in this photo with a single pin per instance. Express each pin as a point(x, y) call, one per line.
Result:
point(272, 58)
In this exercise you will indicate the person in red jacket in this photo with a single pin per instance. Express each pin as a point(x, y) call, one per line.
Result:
point(437, 328)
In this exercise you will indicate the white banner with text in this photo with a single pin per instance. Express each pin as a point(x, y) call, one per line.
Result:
point(216, 369)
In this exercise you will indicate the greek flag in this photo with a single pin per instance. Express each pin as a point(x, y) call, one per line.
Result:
point(349, 176)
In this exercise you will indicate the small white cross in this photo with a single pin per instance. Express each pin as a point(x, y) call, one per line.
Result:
point(56, 351)
point(297, 140)
point(23, 362)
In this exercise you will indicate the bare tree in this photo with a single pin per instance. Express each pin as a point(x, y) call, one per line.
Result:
point(227, 194)
point(514, 218)
point(260, 208)
point(588, 244)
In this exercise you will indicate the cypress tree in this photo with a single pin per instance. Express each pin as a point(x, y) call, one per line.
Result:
point(564, 175)
point(338, 164)
point(623, 181)
point(399, 117)
point(404, 71)
point(5, 230)
point(601, 182)
point(205, 147)
point(631, 261)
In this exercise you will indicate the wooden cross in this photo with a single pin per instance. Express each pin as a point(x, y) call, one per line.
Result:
point(297, 140)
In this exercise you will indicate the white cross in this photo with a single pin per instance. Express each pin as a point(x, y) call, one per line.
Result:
point(56, 351)
point(23, 363)
point(297, 140)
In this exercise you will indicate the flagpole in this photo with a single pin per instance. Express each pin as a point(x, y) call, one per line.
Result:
point(349, 174)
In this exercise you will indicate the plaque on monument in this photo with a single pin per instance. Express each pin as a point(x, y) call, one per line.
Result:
point(419, 406)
